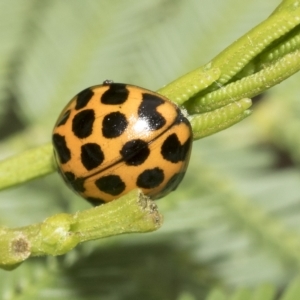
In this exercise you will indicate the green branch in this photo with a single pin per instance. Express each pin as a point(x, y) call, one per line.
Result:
point(62, 232)
point(26, 166)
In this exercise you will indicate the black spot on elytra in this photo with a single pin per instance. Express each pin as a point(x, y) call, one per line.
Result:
point(116, 94)
point(95, 201)
point(147, 111)
point(111, 184)
point(135, 152)
point(83, 98)
point(82, 124)
point(181, 118)
point(69, 176)
point(64, 118)
point(173, 151)
point(150, 178)
point(77, 184)
point(60, 145)
point(91, 155)
point(114, 124)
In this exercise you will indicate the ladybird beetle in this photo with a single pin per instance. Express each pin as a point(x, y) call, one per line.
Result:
point(115, 137)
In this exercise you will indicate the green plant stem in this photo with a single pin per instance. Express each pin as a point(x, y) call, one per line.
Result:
point(244, 56)
point(236, 56)
point(60, 233)
point(248, 86)
point(246, 50)
point(26, 166)
point(219, 119)
point(185, 87)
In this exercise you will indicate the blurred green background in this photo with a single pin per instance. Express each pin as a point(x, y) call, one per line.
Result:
point(235, 219)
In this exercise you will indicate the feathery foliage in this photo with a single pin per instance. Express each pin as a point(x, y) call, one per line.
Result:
point(231, 230)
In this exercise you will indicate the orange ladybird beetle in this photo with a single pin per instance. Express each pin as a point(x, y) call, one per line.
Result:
point(115, 137)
